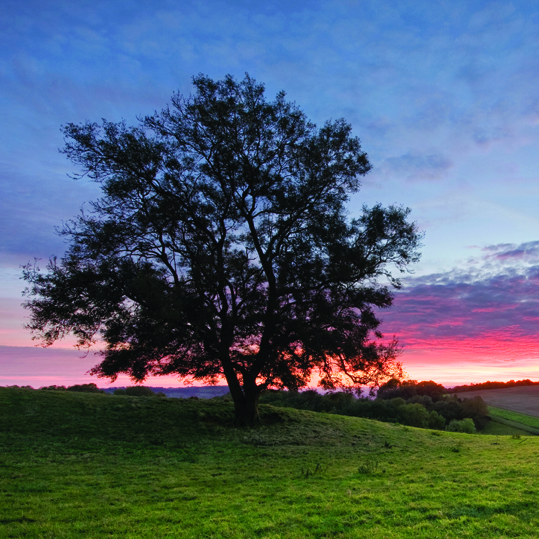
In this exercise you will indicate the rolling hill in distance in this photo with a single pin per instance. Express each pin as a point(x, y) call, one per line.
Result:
point(523, 399)
point(201, 392)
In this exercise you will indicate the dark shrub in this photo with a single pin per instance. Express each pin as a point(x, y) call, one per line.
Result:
point(464, 425)
point(413, 415)
point(139, 391)
point(431, 389)
point(395, 388)
point(477, 410)
point(384, 410)
point(436, 421)
point(85, 388)
point(448, 408)
point(424, 400)
point(418, 411)
point(305, 400)
point(408, 389)
point(397, 401)
point(340, 398)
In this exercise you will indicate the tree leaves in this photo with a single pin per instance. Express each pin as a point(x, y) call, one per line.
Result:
point(221, 246)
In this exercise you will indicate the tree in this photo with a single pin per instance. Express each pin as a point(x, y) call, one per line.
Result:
point(408, 389)
point(221, 247)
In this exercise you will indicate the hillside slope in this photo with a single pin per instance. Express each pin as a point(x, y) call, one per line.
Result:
point(88, 465)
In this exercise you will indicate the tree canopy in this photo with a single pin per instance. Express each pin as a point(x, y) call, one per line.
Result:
point(221, 247)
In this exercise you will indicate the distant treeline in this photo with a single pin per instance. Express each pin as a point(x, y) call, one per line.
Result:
point(201, 392)
point(492, 385)
point(417, 404)
point(206, 392)
point(79, 388)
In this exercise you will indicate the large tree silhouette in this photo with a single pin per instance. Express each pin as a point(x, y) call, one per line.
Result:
point(221, 247)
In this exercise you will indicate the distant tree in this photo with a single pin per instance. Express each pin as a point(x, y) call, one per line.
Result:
point(78, 388)
point(431, 389)
point(221, 247)
point(463, 425)
point(436, 422)
point(449, 409)
point(477, 410)
point(85, 388)
point(395, 388)
point(414, 415)
point(138, 391)
point(408, 389)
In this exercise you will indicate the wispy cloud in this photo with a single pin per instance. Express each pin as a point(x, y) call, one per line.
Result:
point(414, 165)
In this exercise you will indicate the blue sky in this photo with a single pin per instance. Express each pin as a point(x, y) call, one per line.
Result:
point(442, 94)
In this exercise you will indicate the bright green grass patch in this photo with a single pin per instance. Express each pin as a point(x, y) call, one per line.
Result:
point(96, 466)
point(515, 416)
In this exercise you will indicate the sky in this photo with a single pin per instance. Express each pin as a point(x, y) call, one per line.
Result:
point(443, 95)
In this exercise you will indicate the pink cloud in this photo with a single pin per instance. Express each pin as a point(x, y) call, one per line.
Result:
point(462, 326)
point(481, 321)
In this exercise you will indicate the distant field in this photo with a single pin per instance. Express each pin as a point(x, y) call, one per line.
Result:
point(517, 399)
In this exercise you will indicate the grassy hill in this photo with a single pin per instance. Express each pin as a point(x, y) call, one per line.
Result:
point(74, 464)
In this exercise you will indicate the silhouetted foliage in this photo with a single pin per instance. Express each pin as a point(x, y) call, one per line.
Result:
point(80, 388)
point(138, 391)
point(418, 411)
point(448, 408)
point(424, 400)
point(85, 388)
point(221, 247)
point(430, 389)
point(477, 410)
point(408, 389)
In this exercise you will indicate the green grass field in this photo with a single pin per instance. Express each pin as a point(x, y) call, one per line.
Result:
point(84, 465)
point(517, 417)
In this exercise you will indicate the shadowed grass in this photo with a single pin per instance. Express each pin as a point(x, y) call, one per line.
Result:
point(87, 465)
point(495, 428)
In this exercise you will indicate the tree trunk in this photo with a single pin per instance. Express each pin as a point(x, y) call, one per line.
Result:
point(245, 398)
point(246, 410)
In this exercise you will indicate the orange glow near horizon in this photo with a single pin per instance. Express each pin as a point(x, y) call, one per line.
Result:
point(446, 361)
point(498, 354)
point(466, 365)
